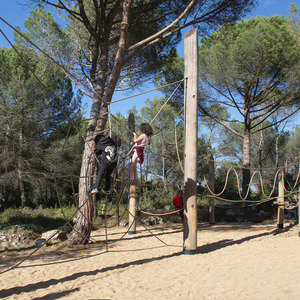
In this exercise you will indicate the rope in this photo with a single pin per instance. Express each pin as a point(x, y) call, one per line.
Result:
point(44, 243)
point(60, 66)
point(176, 143)
point(296, 182)
point(166, 102)
point(72, 123)
point(49, 92)
point(152, 90)
point(238, 183)
point(159, 215)
point(256, 169)
point(61, 209)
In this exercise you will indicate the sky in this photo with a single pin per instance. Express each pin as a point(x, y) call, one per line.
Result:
point(15, 12)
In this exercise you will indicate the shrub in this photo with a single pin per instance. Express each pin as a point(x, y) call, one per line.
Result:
point(48, 218)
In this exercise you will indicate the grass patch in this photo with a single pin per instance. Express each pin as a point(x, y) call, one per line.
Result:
point(37, 219)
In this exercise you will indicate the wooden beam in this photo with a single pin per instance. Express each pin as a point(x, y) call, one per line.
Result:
point(280, 199)
point(132, 188)
point(212, 188)
point(190, 142)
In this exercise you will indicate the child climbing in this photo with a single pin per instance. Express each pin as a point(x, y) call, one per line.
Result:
point(138, 151)
point(178, 204)
point(106, 147)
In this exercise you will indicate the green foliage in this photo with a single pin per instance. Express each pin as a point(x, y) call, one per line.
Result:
point(228, 179)
point(156, 197)
point(48, 218)
point(172, 70)
point(251, 67)
point(256, 52)
point(292, 156)
point(33, 124)
point(294, 20)
point(162, 160)
point(293, 145)
point(72, 43)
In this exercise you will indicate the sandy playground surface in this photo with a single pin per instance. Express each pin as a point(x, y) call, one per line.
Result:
point(233, 261)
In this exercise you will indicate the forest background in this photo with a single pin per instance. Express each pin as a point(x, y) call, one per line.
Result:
point(38, 145)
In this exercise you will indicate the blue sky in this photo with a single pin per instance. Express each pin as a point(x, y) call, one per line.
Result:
point(15, 13)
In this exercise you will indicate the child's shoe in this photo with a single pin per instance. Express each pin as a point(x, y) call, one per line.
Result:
point(106, 192)
point(93, 191)
point(127, 180)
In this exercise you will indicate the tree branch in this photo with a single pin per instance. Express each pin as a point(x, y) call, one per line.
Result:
point(157, 36)
point(220, 122)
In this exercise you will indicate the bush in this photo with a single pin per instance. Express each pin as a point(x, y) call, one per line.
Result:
point(48, 218)
point(157, 198)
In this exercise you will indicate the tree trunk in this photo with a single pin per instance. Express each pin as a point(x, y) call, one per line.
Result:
point(22, 189)
point(246, 164)
point(82, 228)
point(261, 143)
point(21, 183)
point(277, 150)
point(163, 163)
point(98, 119)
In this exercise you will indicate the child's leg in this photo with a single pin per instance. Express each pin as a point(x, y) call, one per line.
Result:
point(134, 170)
point(181, 215)
point(132, 166)
point(100, 174)
point(109, 170)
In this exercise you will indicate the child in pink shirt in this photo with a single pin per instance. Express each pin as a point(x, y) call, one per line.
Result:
point(138, 151)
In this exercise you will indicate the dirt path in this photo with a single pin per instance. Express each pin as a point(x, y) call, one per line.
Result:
point(233, 261)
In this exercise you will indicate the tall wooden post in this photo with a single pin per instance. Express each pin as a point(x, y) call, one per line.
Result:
point(298, 208)
point(280, 200)
point(190, 144)
point(132, 209)
point(117, 198)
point(211, 184)
point(132, 188)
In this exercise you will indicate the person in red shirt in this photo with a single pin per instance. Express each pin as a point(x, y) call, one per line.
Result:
point(178, 204)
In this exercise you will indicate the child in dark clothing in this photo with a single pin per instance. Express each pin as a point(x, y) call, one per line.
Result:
point(178, 204)
point(106, 147)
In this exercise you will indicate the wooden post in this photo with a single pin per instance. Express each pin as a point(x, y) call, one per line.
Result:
point(211, 184)
point(132, 188)
point(298, 208)
point(132, 209)
point(117, 197)
point(190, 142)
point(280, 199)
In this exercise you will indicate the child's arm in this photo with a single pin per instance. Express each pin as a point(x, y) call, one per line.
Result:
point(98, 148)
point(137, 139)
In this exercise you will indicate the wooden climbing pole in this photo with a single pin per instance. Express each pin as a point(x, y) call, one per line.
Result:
point(280, 199)
point(132, 188)
point(190, 144)
point(211, 183)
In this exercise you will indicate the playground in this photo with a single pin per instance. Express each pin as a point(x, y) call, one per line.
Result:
point(233, 261)
point(191, 259)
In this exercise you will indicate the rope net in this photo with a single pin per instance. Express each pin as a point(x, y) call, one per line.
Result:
point(150, 180)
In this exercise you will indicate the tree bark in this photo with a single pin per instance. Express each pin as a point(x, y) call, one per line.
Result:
point(260, 147)
point(21, 183)
point(104, 80)
point(163, 163)
point(246, 165)
point(98, 120)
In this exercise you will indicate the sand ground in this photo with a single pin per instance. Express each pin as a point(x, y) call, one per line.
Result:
point(233, 261)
